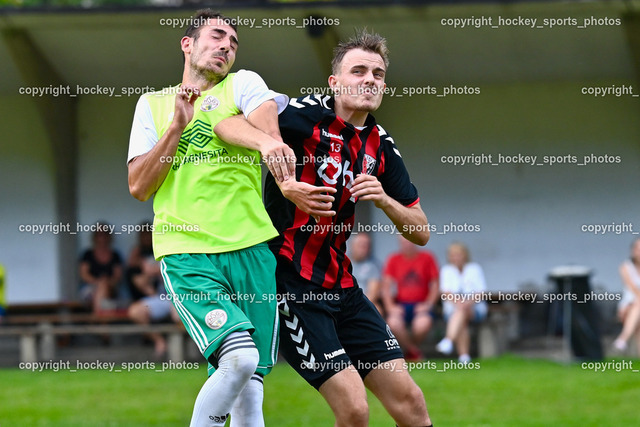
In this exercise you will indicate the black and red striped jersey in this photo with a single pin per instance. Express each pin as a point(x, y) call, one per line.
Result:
point(332, 153)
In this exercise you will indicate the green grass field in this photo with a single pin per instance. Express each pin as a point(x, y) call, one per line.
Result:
point(506, 391)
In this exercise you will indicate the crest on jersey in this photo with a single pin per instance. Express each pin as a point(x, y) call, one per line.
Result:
point(209, 103)
point(368, 164)
point(215, 319)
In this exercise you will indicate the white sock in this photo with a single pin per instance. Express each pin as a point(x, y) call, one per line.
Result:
point(237, 361)
point(247, 411)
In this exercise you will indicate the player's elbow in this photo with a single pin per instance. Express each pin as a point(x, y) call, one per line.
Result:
point(419, 232)
point(138, 191)
point(417, 238)
point(138, 188)
point(422, 238)
point(139, 195)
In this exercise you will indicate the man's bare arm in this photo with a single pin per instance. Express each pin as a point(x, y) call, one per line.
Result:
point(261, 132)
point(388, 303)
point(315, 201)
point(410, 221)
point(434, 293)
point(148, 171)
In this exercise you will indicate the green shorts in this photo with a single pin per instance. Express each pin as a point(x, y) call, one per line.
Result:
point(216, 294)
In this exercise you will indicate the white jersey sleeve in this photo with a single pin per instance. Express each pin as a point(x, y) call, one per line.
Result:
point(250, 91)
point(143, 131)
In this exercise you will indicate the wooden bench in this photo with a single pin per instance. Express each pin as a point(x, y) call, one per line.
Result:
point(66, 318)
point(37, 331)
point(37, 342)
point(46, 308)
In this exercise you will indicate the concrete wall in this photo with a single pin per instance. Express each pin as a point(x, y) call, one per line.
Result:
point(26, 175)
point(26, 197)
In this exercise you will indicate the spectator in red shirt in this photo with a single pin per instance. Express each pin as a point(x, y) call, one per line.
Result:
point(415, 275)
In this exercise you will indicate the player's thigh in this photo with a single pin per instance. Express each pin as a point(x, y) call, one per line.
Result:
point(391, 383)
point(367, 339)
point(389, 378)
point(345, 393)
point(203, 299)
point(308, 336)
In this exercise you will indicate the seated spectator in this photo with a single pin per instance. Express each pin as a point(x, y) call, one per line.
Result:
point(3, 301)
point(365, 268)
point(629, 306)
point(100, 272)
point(463, 278)
point(415, 274)
point(147, 289)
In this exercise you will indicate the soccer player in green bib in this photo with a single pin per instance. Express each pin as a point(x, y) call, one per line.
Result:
point(210, 226)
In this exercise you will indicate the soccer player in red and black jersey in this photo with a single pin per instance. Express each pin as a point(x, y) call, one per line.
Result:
point(331, 334)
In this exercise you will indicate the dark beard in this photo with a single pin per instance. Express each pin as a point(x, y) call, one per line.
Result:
point(207, 73)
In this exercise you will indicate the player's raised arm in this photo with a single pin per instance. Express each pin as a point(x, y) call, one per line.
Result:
point(147, 171)
point(314, 201)
point(260, 132)
point(278, 157)
point(260, 106)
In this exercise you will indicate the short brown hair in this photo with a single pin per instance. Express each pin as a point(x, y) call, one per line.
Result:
point(203, 16)
point(369, 42)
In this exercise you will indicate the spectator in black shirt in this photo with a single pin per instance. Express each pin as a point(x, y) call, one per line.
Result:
point(100, 271)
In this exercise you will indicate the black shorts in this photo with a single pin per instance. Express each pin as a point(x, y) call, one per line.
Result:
point(323, 331)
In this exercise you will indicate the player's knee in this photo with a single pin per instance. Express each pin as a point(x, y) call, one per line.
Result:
point(415, 401)
point(354, 414)
point(237, 354)
point(243, 361)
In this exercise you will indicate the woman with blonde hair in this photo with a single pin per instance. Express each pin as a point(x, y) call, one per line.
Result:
point(461, 283)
